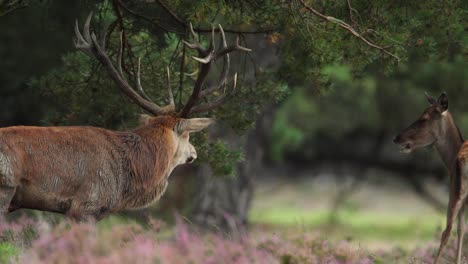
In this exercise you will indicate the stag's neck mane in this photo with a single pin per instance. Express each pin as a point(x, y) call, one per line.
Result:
point(450, 140)
point(155, 154)
point(148, 158)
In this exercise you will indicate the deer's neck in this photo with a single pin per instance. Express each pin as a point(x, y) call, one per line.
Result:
point(148, 164)
point(449, 141)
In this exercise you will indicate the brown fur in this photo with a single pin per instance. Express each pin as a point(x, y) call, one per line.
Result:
point(85, 171)
point(437, 127)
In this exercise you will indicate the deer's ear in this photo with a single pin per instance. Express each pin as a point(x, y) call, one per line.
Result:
point(430, 99)
point(192, 125)
point(442, 102)
point(144, 119)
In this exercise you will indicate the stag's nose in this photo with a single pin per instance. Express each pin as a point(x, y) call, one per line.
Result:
point(396, 139)
point(191, 159)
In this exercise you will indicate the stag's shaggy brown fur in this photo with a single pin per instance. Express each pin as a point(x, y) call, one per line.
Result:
point(91, 172)
point(85, 171)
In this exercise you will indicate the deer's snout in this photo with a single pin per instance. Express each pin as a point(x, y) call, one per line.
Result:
point(397, 139)
point(404, 144)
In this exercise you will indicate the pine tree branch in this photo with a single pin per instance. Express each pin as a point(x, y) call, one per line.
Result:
point(348, 27)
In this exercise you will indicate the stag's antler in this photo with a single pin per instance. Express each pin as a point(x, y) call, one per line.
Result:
point(206, 57)
point(87, 42)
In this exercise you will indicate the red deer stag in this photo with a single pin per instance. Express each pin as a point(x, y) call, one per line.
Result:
point(85, 172)
point(436, 127)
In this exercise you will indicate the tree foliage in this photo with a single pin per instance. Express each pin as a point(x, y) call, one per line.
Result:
point(346, 86)
point(85, 94)
point(339, 80)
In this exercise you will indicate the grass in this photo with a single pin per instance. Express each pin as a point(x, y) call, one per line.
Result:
point(113, 220)
point(403, 229)
point(386, 215)
point(287, 227)
point(8, 252)
point(120, 240)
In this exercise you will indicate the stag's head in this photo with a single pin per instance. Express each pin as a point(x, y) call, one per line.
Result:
point(184, 151)
point(87, 42)
point(427, 129)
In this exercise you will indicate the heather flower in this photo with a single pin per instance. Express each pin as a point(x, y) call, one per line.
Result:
point(70, 242)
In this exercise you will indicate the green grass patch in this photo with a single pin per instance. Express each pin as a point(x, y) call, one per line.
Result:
point(8, 252)
point(110, 221)
point(353, 223)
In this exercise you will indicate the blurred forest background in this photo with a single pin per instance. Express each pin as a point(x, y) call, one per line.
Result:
point(304, 142)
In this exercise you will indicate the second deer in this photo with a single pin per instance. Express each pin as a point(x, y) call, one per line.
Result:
point(436, 127)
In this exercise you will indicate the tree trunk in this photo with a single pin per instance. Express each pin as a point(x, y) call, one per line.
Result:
point(223, 202)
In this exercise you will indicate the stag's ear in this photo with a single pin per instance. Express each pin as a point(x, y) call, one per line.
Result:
point(430, 99)
point(144, 119)
point(442, 102)
point(192, 125)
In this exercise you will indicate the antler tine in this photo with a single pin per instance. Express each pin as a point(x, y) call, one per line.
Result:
point(138, 81)
point(80, 42)
point(79, 38)
point(224, 51)
point(86, 27)
point(210, 51)
point(84, 42)
point(226, 66)
point(89, 44)
point(120, 54)
point(212, 42)
point(223, 36)
point(169, 88)
point(192, 32)
point(232, 48)
point(219, 101)
point(212, 55)
point(239, 47)
point(196, 44)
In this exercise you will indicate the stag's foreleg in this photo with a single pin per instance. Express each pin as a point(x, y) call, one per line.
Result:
point(6, 195)
point(87, 212)
point(78, 215)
